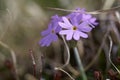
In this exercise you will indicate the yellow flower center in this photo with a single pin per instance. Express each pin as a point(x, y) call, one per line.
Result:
point(74, 28)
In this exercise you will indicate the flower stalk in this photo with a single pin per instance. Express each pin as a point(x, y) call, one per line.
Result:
point(79, 63)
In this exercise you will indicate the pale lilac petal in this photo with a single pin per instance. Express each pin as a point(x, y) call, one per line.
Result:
point(95, 23)
point(84, 35)
point(54, 37)
point(45, 32)
point(69, 35)
point(55, 17)
point(48, 42)
point(66, 21)
point(63, 25)
point(84, 27)
point(86, 16)
point(63, 32)
point(76, 35)
point(92, 20)
point(71, 15)
point(74, 21)
point(50, 26)
point(55, 24)
point(92, 25)
point(79, 18)
point(58, 29)
point(50, 38)
point(45, 41)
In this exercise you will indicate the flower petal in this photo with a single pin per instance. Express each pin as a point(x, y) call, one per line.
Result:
point(92, 25)
point(45, 32)
point(48, 42)
point(63, 25)
point(86, 16)
point(58, 29)
point(71, 15)
point(92, 20)
point(83, 35)
point(64, 32)
point(45, 41)
point(84, 27)
point(76, 35)
point(66, 21)
point(54, 37)
point(69, 35)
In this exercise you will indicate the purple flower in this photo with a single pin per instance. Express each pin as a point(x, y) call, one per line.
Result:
point(50, 34)
point(74, 26)
point(77, 24)
point(73, 29)
point(81, 14)
point(89, 20)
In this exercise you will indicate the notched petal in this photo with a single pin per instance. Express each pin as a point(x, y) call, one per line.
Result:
point(76, 35)
point(63, 32)
point(67, 22)
point(63, 25)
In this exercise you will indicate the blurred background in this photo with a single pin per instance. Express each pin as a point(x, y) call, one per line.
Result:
point(21, 22)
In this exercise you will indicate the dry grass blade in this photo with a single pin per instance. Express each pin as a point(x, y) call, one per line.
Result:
point(68, 53)
point(98, 53)
point(117, 14)
point(73, 70)
point(13, 58)
point(9, 14)
point(92, 12)
point(65, 72)
point(60, 9)
point(108, 4)
point(111, 44)
point(67, 62)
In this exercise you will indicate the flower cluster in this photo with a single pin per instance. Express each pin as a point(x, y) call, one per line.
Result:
point(74, 26)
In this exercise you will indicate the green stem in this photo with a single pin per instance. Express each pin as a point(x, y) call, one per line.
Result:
point(79, 63)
